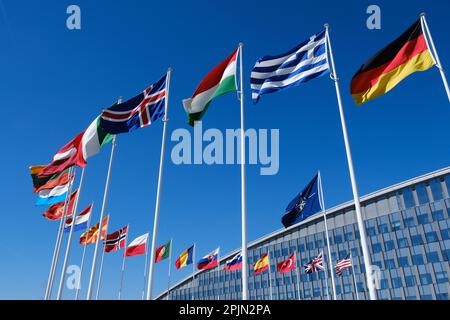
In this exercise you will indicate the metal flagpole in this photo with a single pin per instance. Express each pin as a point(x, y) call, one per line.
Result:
point(298, 276)
point(69, 240)
point(218, 274)
point(193, 272)
point(99, 284)
point(435, 54)
point(330, 263)
point(158, 192)
point(326, 281)
point(123, 262)
point(243, 194)
point(145, 269)
point(270, 277)
point(354, 277)
point(82, 259)
point(105, 196)
point(361, 227)
point(170, 268)
point(49, 289)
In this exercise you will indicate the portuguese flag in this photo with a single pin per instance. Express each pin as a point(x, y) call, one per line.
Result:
point(382, 72)
point(220, 80)
point(162, 252)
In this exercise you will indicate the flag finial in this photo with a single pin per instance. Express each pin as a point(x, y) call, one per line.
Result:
point(423, 14)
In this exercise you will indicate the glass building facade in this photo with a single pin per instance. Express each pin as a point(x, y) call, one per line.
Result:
point(408, 233)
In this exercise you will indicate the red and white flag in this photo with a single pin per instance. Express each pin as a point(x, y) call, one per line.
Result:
point(137, 247)
point(287, 265)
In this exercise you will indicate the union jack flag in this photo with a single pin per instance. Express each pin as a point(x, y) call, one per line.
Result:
point(343, 264)
point(138, 112)
point(116, 240)
point(315, 264)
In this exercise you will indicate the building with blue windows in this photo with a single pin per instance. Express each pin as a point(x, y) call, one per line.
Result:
point(408, 231)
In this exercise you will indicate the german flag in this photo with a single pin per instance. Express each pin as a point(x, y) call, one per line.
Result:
point(382, 72)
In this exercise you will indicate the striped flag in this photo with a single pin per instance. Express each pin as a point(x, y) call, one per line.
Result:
point(343, 264)
point(81, 220)
point(306, 61)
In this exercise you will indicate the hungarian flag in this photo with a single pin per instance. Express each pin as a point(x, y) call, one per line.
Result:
point(382, 72)
point(116, 240)
point(220, 80)
point(91, 235)
point(261, 265)
point(55, 211)
point(209, 261)
point(137, 247)
point(287, 265)
point(163, 252)
point(185, 258)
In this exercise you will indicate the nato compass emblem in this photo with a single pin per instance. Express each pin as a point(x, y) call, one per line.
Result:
point(300, 205)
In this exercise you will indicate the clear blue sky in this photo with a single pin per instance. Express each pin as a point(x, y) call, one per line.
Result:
point(55, 81)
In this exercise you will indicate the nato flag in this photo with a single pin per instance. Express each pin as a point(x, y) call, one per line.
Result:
point(304, 205)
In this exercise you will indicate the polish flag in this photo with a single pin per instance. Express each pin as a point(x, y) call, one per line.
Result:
point(137, 247)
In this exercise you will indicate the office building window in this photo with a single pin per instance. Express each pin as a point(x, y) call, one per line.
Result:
point(417, 259)
point(416, 240)
point(431, 236)
point(441, 277)
point(402, 243)
point(397, 282)
point(432, 257)
point(436, 189)
point(421, 191)
point(410, 281)
point(425, 278)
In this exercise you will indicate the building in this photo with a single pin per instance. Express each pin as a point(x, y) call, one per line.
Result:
point(408, 230)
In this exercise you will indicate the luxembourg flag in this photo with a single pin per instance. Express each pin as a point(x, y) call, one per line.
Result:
point(81, 221)
point(209, 261)
point(234, 264)
point(137, 247)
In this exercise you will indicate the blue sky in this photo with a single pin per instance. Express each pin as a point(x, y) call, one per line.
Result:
point(54, 81)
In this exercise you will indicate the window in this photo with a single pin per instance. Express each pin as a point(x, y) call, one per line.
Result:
point(408, 197)
point(347, 288)
point(436, 189)
point(389, 245)
point(441, 277)
point(389, 263)
point(337, 238)
point(410, 281)
point(423, 218)
point(395, 225)
point(431, 236)
point(403, 261)
point(397, 282)
point(371, 231)
point(416, 240)
point(383, 228)
point(445, 234)
point(402, 243)
point(376, 248)
point(433, 257)
point(425, 278)
point(421, 191)
point(348, 236)
point(417, 259)
point(384, 284)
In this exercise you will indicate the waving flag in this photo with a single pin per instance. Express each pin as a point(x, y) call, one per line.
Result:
point(54, 195)
point(261, 265)
point(81, 221)
point(137, 247)
point(116, 240)
point(90, 236)
point(304, 205)
point(47, 182)
point(138, 112)
point(163, 252)
point(93, 139)
point(234, 264)
point(209, 261)
point(306, 61)
point(407, 54)
point(220, 80)
point(287, 265)
point(185, 258)
point(343, 264)
point(55, 211)
point(315, 264)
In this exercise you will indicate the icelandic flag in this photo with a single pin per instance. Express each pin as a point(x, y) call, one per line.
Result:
point(138, 112)
point(306, 61)
point(81, 221)
point(234, 264)
point(304, 205)
point(209, 261)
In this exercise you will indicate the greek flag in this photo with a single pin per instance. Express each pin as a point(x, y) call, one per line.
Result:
point(305, 62)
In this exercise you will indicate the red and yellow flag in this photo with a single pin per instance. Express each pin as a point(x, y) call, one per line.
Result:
point(261, 265)
point(91, 235)
point(382, 72)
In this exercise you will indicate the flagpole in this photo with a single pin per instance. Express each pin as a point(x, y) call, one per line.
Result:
point(123, 262)
point(158, 192)
point(354, 277)
point(330, 263)
point(170, 267)
point(435, 54)
point(99, 284)
point(51, 278)
point(326, 280)
point(69, 240)
point(361, 227)
point(218, 274)
point(297, 267)
point(105, 196)
point(270, 277)
point(145, 269)
point(193, 271)
point(82, 259)
point(243, 193)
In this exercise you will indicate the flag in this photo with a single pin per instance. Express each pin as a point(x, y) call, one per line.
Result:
point(163, 252)
point(55, 195)
point(287, 265)
point(90, 236)
point(55, 211)
point(209, 261)
point(234, 264)
point(185, 258)
point(81, 221)
point(116, 240)
point(137, 247)
point(383, 71)
point(315, 264)
point(138, 112)
point(47, 182)
point(261, 265)
point(306, 61)
point(220, 80)
point(68, 156)
point(304, 205)
point(343, 264)
point(93, 139)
